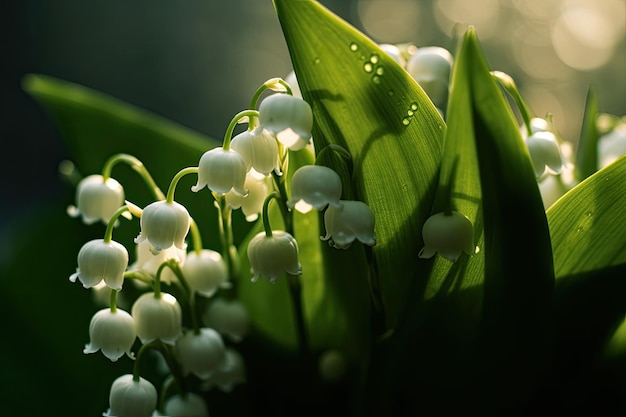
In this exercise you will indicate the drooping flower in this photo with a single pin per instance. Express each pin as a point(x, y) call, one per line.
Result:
point(186, 405)
point(431, 66)
point(229, 317)
point(394, 52)
point(314, 186)
point(149, 262)
point(157, 317)
point(99, 260)
point(449, 234)
point(289, 118)
point(205, 272)
point(352, 220)
point(271, 256)
point(201, 353)
point(164, 224)
point(97, 199)
point(112, 332)
point(221, 171)
point(544, 151)
point(231, 373)
point(252, 204)
point(131, 398)
point(259, 150)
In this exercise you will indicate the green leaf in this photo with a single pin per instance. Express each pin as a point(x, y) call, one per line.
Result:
point(587, 151)
point(365, 102)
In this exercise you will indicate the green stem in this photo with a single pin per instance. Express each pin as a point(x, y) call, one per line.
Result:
point(267, 85)
point(113, 301)
point(157, 280)
point(266, 219)
point(177, 177)
point(138, 167)
point(195, 322)
point(231, 126)
point(167, 353)
point(196, 237)
point(108, 233)
point(295, 291)
point(229, 251)
point(140, 276)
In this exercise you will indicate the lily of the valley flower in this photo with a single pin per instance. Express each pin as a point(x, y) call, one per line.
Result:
point(271, 256)
point(132, 398)
point(157, 317)
point(99, 260)
point(201, 353)
point(205, 272)
point(97, 199)
point(164, 224)
point(221, 171)
point(229, 317)
point(431, 66)
point(449, 234)
point(289, 118)
point(352, 220)
point(149, 262)
point(544, 151)
point(112, 332)
point(188, 404)
point(231, 373)
point(314, 186)
point(252, 204)
point(612, 145)
point(259, 150)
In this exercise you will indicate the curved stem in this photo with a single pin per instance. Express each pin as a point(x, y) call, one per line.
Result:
point(270, 85)
point(229, 251)
point(266, 219)
point(108, 233)
point(191, 294)
point(195, 237)
point(172, 188)
point(140, 276)
point(138, 167)
point(231, 126)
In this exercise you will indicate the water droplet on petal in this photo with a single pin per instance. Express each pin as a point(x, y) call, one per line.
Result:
point(374, 59)
point(316, 61)
point(354, 47)
point(406, 121)
point(414, 106)
point(380, 70)
point(368, 67)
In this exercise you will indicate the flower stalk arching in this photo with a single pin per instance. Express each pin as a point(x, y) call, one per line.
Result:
point(506, 81)
point(252, 116)
point(274, 84)
point(138, 167)
point(196, 237)
point(191, 294)
point(108, 233)
point(229, 250)
point(169, 357)
point(172, 188)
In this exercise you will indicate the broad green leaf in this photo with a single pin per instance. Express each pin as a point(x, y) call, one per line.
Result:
point(587, 150)
point(365, 102)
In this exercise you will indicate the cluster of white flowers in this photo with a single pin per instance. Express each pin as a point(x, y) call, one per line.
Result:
point(245, 172)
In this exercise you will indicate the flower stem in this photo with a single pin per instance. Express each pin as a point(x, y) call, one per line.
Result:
point(138, 167)
point(195, 237)
point(229, 251)
point(231, 126)
point(295, 291)
point(265, 213)
point(172, 188)
point(191, 294)
point(270, 85)
point(108, 233)
point(113, 301)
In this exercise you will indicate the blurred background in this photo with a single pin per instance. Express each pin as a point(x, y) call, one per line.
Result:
point(198, 62)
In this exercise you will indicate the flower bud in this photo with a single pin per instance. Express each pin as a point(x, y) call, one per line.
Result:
point(186, 405)
point(99, 260)
point(112, 332)
point(229, 317)
point(289, 118)
point(352, 220)
point(205, 272)
point(270, 256)
point(394, 53)
point(314, 186)
point(431, 66)
point(449, 234)
point(164, 224)
point(544, 152)
point(201, 353)
point(221, 171)
point(97, 199)
point(259, 150)
point(157, 318)
point(130, 398)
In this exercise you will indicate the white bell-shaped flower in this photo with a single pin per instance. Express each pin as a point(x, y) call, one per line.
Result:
point(449, 234)
point(131, 398)
point(431, 67)
point(157, 317)
point(352, 220)
point(149, 262)
point(99, 260)
point(164, 224)
point(201, 353)
point(544, 151)
point(230, 374)
point(205, 272)
point(612, 145)
point(221, 171)
point(97, 199)
point(188, 404)
point(314, 186)
point(394, 53)
point(289, 118)
point(229, 317)
point(252, 204)
point(271, 256)
point(112, 332)
point(259, 149)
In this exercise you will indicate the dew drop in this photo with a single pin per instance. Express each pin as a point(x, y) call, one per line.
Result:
point(368, 67)
point(579, 229)
point(376, 79)
point(354, 47)
point(406, 121)
point(374, 59)
point(390, 93)
point(410, 113)
point(414, 106)
point(316, 61)
point(380, 70)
